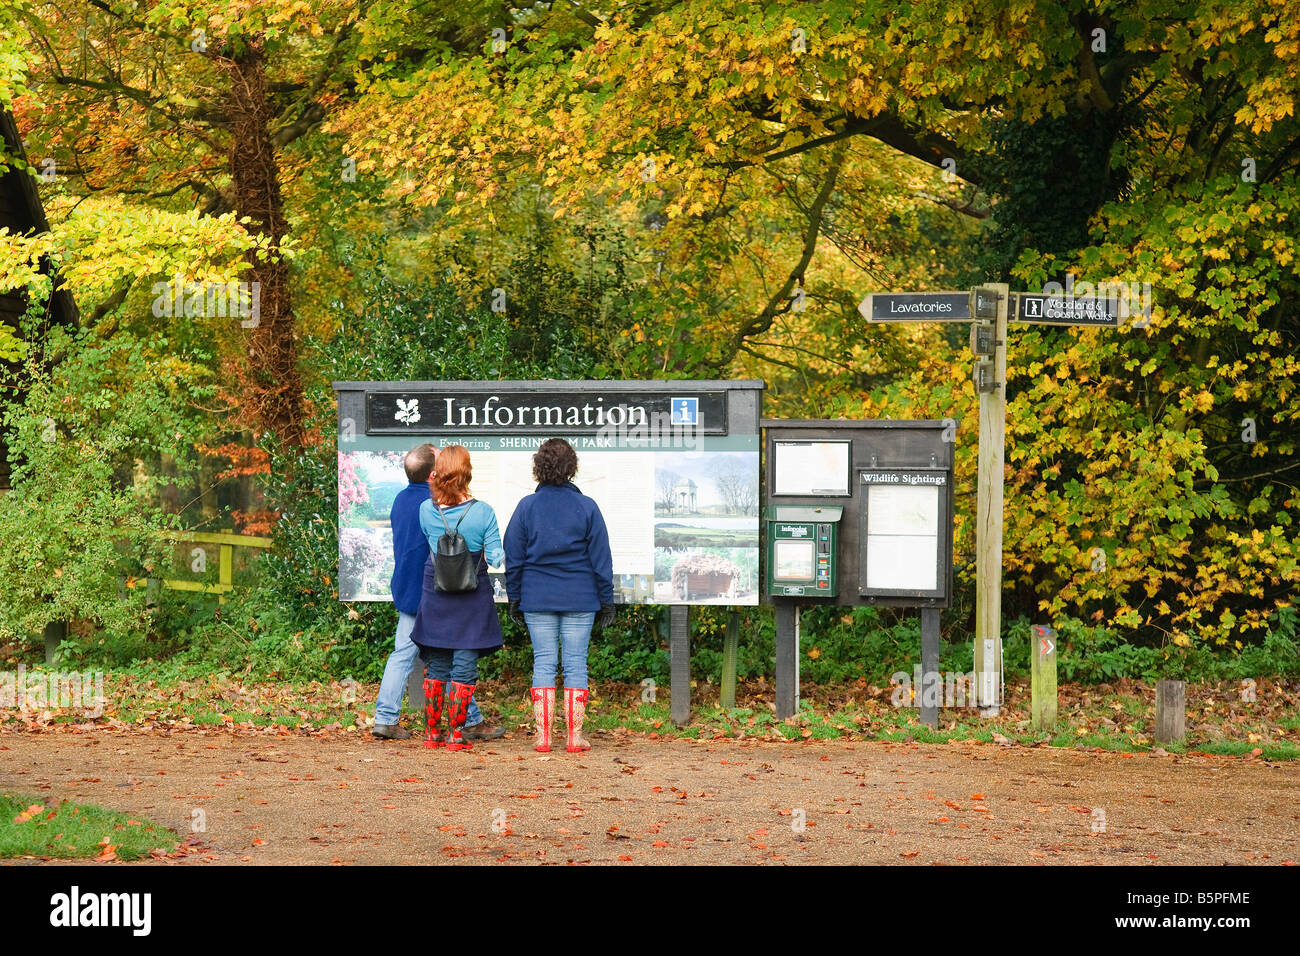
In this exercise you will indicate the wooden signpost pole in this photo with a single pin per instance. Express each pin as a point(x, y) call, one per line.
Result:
point(988, 520)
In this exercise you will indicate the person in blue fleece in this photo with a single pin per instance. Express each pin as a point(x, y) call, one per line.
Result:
point(559, 575)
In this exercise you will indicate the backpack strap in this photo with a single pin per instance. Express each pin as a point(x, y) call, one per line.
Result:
point(482, 552)
point(438, 509)
point(472, 503)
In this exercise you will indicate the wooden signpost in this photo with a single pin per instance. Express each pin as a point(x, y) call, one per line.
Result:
point(990, 308)
point(1089, 310)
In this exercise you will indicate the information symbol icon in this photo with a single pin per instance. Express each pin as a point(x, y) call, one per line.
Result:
point(686, 411)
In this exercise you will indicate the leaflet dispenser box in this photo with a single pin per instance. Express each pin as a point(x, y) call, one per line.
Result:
point(802, 549)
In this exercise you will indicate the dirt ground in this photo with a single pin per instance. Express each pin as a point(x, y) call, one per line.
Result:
point(351, 799)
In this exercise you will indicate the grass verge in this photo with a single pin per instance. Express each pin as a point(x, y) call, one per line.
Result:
point(30, 828)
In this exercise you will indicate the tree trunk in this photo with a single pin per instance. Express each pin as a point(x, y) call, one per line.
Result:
point(268, 373)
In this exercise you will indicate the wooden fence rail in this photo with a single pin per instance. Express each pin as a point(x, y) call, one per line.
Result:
point(227, 542)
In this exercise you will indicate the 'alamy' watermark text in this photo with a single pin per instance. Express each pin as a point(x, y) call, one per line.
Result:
point(50, 690)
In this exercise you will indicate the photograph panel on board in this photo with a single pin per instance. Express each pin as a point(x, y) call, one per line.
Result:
point(706, 576)
point(706, 500)
point(368, 483)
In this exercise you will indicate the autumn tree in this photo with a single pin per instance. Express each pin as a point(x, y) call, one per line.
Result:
point(194, 105)
point(774, 160)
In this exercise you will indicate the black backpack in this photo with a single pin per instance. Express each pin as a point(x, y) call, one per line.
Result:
point(454, 568)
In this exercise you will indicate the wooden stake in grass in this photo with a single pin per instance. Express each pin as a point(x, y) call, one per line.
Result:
point(1171, 710)
point(1042, 677)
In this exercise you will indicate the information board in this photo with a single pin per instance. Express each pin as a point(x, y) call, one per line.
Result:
point(902, 538)
point(673, 466)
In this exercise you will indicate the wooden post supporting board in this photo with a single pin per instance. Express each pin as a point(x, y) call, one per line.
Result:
point(787, 659)
point(1171, 708)
point(679, 650)
point(730, 650)
point(1042, 678)
point(988, 521)
point(931, 689)
point(415, 687)
point(55, 632)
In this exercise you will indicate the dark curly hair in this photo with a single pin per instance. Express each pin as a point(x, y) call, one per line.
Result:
point(555, 462)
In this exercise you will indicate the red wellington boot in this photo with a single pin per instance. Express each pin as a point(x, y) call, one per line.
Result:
point(575, 712)
point(543, 715)
point(457, 710)
point(435, 695)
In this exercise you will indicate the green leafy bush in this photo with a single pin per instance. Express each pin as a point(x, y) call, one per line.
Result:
point(83, 525)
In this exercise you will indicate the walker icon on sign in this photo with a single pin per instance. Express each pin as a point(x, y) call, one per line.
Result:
point(1033, 308)
point(686, 411)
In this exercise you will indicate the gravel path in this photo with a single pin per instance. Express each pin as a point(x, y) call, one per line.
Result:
point(350, 799)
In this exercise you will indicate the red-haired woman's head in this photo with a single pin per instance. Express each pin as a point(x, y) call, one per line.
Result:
point(451, 481)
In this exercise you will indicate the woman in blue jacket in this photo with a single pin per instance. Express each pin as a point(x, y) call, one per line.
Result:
point(559, 574)
point(453, 629)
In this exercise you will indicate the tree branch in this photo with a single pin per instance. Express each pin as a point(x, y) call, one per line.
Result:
point(763, 321)
point(929, 147)
point(767, 358)
point(111, 303)
point(202, 114)
point(313, 112)
point(797, 348)
point(966, 209)
point(1089, 73)
point(585, 16)
point(1262, 474)
point(851, 128)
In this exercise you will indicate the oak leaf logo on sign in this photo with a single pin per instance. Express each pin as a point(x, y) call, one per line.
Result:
point(408, 411)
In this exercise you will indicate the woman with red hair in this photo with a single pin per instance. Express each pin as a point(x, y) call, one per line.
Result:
point(454, 628)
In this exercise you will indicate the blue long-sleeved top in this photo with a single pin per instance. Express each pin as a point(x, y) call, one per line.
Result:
point(557, 552)
point(410, 548)
point(479, 527)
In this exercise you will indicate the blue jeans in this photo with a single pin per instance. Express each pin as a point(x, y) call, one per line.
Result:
point(388, 706)
point(551, 629)
point(446, 664)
